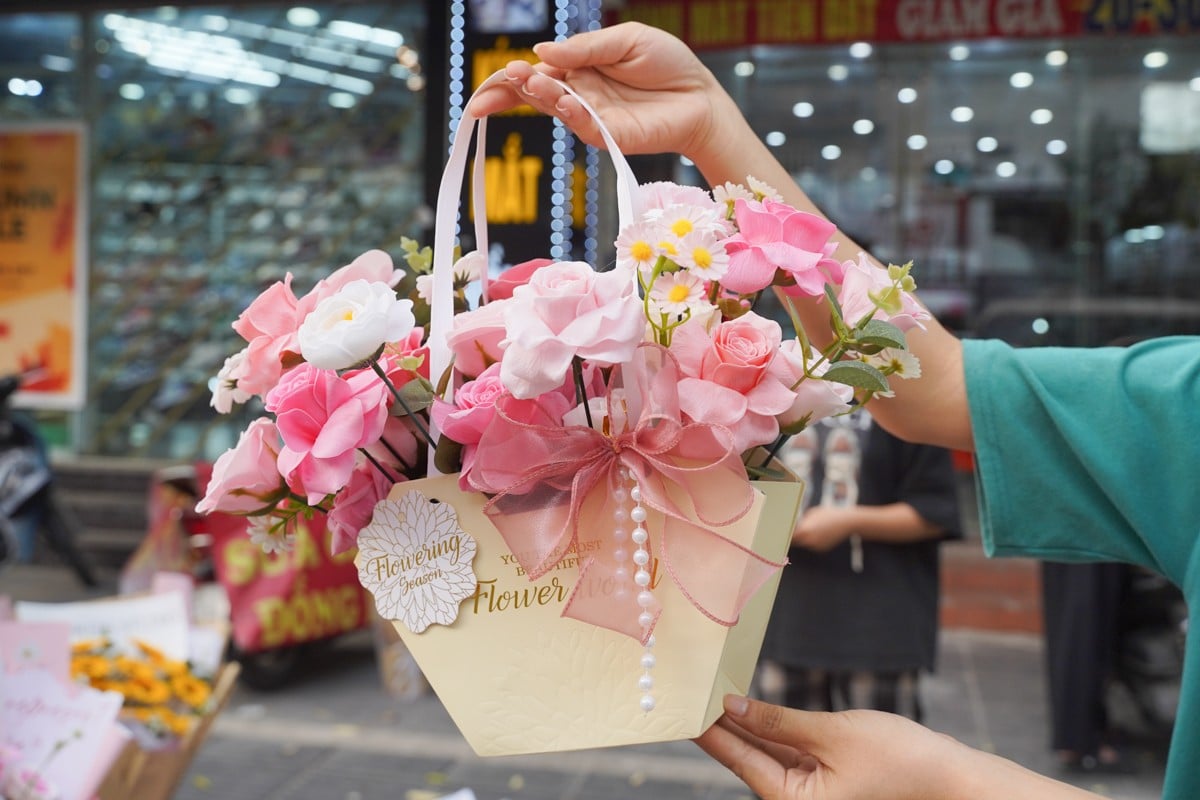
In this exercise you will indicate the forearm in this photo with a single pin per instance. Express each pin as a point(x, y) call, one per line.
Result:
point(931, 409)
point(984, 776)
point(894, 523)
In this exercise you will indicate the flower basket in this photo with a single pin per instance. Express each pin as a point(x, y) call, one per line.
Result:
point(565, 498)
point(156, 774)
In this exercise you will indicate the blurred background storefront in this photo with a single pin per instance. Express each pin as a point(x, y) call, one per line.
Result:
point(1039, 160)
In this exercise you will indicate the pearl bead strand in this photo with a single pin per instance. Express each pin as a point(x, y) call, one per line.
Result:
point(645, 598)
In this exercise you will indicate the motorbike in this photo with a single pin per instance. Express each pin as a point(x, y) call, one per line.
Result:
point(29, 501)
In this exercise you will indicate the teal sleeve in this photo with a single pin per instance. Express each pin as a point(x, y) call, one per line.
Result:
point(1088, 454)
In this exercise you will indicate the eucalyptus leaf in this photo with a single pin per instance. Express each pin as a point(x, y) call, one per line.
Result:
point(417, 396)
point(881, 334)
point(858, 375)
point(447, 456)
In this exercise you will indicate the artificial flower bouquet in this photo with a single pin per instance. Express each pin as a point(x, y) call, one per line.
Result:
point(561, 481)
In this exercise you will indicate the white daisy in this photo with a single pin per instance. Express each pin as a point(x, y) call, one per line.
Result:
point(900, 363)
point(637, 246)
point(270, 533)
point(763, 191)
point(702, 255)
point(676, 292)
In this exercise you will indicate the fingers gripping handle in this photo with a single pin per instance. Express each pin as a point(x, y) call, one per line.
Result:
point(449, 192)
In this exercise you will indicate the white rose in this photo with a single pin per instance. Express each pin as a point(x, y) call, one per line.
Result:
point(226, 391)
point(349, 327)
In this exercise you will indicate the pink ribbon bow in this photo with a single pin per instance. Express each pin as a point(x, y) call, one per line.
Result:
point(557, 489)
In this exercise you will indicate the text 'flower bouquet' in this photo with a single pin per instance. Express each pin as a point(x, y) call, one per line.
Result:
point(607, 427)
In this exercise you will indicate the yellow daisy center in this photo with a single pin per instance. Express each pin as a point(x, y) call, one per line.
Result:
point(668, 248)
point(681, 227)
point(641, 251)
point(702, 257)
point(678, 293)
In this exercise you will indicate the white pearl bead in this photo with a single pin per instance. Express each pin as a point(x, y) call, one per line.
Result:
point(638, 514)
point(645, 619)
point(646, 683)
point(619, 494)
point(648, 661)
point(636, 494)
point(641, 578)
point(640, 536)
point(641, 558)
point(620, 514)
point(620, 554)
point(647, 703)
point(619, 534)
point(645, 599)
point(650, 642)
point(621, 575)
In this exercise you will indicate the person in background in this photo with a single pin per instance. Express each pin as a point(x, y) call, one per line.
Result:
point(1099, 440)
point(856, 615)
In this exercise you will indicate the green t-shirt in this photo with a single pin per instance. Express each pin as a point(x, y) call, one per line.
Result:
point(1092, 455)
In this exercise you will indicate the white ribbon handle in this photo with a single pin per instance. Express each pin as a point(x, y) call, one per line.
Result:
point(450, 191)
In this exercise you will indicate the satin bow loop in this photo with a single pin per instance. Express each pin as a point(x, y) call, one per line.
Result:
point(558, 489)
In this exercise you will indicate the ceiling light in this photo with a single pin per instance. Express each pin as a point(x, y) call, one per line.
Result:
point(1056, 147)
point(831, 152)
point(1153, 232)
point(839, 72)
point(239, 96)
point(1041, 116)
point(1155, 59)
point(57, 63)
point(775, 138)
point(303, 17)
point(868, 174)
point(917, 142)
point(802, 109)
point(342, 100)
point(1006, 169)
point(1135, 236)
point(1021, 80)
point(960, 52)
point(907, 95)
point(962, 114)
point(986, 144)
point(33, 87)
point(131, 91)
point(861, 50)
point(1056, 58)
point(415, 83)
point(743, 69)
point(944, 166)
point(863, 126)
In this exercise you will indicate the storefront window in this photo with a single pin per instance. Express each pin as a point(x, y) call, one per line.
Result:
point(230, 145)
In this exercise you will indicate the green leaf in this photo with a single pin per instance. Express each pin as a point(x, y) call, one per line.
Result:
point(447, 456)
point(417, 396)
point(881, 334)
point(858, 375)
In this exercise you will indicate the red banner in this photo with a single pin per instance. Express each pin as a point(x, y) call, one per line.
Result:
point(281, 599)
point(710, 24)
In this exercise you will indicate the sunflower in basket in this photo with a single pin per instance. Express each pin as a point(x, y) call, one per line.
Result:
point(163, 697)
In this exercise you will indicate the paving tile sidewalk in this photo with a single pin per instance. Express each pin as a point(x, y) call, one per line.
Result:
point(333, 734)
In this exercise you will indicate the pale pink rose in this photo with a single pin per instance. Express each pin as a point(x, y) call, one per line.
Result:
point(774, 236)
point(568, 310)
point(323, 419)
point(657, 196)
point(473, 408)
point(501, 288)
point(476, 338)
point(354, 506)
point(815, 398)
point(372, 266)
point(730, 377)
point(246, 478)
point(863, 278)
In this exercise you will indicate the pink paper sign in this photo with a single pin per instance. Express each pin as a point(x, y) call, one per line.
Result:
point(36, 645)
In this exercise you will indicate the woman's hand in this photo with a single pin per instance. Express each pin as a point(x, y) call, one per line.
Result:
point(651, 90)
point(784, 754)
point(822, 528)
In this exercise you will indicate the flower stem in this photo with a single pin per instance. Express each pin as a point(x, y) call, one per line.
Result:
point(580, 389)
point(776, 446)
point(424, 431)
point(375, 463)
point(395, 454)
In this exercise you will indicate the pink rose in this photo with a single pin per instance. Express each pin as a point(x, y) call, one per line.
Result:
point(864, 279)
point(502, 287)
point(477, 338)
point(323, 419)
point(372, 266)
point(568, 310)
point(773, 236)
point(269, 326)
point(473, 408)
point(245, 478)
point(354, 506)
point(731, 379)
point(660, 195)
point(815, 398)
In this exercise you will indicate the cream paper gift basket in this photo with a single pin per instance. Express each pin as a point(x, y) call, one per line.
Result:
point(526, 611)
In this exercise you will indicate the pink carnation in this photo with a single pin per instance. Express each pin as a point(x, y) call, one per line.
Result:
point(774, 236)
